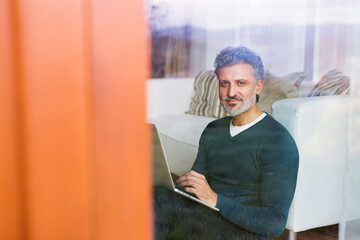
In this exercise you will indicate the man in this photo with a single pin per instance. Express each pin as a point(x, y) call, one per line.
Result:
point(246, 165)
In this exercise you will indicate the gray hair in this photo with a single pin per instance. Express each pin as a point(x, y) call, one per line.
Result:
point(234, 55)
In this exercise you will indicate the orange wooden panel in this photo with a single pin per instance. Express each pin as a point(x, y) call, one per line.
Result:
point(11, 217)
point(73, 166)
point(57, 120)
point(122, 138)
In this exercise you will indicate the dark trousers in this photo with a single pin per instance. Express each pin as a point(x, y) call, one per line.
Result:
point(177, 217)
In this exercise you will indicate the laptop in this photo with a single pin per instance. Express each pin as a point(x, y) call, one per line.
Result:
point(162, 174)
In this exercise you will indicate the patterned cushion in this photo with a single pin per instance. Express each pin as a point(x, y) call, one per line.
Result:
point(332, 83)
point(276, 88)
point(205, 100)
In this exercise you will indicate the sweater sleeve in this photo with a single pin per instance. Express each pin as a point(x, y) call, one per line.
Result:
point(200, 164)
point(278, 160)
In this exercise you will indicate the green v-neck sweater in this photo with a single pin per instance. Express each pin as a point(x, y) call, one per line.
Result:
point(254, 173)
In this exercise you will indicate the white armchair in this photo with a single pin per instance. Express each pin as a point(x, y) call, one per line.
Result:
point(318, 125)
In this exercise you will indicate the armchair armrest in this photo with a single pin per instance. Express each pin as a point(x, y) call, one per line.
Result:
point(318, 126)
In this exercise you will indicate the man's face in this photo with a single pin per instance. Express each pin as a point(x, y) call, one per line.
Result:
point(238, 88)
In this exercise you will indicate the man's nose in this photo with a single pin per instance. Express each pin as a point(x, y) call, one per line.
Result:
point(232, 90)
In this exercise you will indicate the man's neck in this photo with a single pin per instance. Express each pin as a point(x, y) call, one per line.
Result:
point(247, 117)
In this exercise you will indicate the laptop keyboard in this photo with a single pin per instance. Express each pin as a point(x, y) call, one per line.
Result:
point(174, 177)
point(182, 189)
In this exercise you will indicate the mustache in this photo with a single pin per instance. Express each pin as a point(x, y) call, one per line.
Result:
point(234, 97)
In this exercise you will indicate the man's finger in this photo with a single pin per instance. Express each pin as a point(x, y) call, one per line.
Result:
point(196, 174)
point(190, 190)
point(183, 177)
point(190, 178)
point(190, 173)
point(190, 183)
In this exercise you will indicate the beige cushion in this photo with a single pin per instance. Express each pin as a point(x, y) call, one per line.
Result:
point(276, 88)
point(205, 100)
point(332, 83)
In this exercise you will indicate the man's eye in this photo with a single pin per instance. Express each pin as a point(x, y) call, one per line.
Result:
point(224, 84)
point(241, 83)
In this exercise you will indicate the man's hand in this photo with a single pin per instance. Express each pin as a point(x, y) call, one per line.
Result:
point(196, 183)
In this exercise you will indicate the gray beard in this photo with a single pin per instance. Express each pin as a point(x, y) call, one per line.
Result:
point(247, 104)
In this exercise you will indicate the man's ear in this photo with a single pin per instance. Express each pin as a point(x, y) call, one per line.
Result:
point(259, 86)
